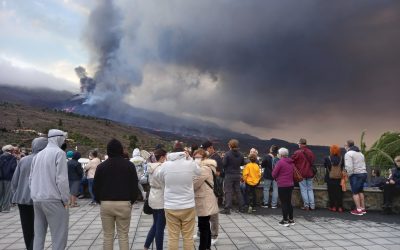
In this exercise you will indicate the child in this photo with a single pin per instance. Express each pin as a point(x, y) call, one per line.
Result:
point(252, 176)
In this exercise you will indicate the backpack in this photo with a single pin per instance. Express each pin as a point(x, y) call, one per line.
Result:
point(336, 170)
point(218, 186)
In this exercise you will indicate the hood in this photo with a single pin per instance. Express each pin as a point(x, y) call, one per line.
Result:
point(136, 152)
point(235, 153)
point(76, 156)
point(176, 156)
point(114, 148)
point(209, 163)
point(153, 166)
point(56, 137)
point(38, 144)
point(287, 160)
point(354, 148)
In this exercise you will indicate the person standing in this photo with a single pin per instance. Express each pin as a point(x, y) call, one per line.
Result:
point(205, 199)
point(252, 177)
point(177, 176)
point(232, 162)
point(334, 164)
point(90, 168)
point(8, 164)
point(156, 202)
point(303, 160)
point(214, 219)
point(356, 169)
point(75, 174)
point(268, 163)
point(49, 186)
point(115, 188)
point(22, 193)
point(283, 174)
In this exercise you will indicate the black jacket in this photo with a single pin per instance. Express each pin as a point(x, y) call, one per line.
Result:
point(328, 162)
point(232, 161)
point(75, 170)
point(218, 159)
point(266, 164)
point(116, 180)
point(8, 164)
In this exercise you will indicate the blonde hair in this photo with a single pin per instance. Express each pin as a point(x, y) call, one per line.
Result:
point(233, 144)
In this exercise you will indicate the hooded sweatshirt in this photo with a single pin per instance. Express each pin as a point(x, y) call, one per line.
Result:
point(232, 161)
point(156, 196)
point(115, 178)
point(139, 161)
point(20, 180)
point(177, 175)
point(354, 162)
point(49, 171)
point(283, 172)
point(252, 174)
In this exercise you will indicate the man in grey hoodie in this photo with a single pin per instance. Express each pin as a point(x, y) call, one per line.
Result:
point(50, 192)
point(22, 193)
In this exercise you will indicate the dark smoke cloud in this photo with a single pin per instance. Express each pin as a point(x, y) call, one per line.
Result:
point(269, 63)
point(88, 85)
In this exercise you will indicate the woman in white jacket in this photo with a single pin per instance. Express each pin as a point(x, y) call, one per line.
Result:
point(156, 201)
point(90, 169)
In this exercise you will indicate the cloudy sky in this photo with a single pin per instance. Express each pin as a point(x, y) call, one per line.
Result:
point(324, 70)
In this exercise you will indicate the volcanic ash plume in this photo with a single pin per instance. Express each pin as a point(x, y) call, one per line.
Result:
point(88, 85)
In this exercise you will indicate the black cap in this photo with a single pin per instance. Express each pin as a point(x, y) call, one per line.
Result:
point(206, 145)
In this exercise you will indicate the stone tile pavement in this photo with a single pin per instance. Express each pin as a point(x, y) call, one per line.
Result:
point(313, 230)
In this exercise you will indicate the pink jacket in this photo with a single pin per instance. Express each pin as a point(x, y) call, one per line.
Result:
point(302, 159)
point(283, 172)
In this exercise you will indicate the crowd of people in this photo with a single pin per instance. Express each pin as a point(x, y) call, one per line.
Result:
point(185, 186)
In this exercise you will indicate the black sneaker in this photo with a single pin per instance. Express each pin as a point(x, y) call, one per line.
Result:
point(292, 223)
point(284, 223)
point(225, 211)
point(264, 205)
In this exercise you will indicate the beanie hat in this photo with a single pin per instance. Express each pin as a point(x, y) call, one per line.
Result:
point(70, 154)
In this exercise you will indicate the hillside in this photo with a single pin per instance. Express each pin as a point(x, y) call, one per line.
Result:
point(19, 124)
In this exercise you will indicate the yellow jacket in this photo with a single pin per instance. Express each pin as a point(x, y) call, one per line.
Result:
point(251, 174)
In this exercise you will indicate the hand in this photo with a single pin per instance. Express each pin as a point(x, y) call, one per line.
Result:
point(392, 182)
point(66, 206)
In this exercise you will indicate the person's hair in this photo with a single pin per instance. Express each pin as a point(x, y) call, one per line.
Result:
point(233, 144)
point(334, 150)
point(253, 158)
point(377, 172)
point(125, 155)
point(254, 150)
point(283, 152)
point(274, 150)
point(350, 143)
point(159, 153)
point(178, 147)
point(201, 152)
point(397, 159)
point(94, 153)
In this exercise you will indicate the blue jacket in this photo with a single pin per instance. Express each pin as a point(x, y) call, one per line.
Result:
point(8, 164)
point(232, 161)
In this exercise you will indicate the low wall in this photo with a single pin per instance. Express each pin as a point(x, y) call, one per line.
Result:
point(373, 198)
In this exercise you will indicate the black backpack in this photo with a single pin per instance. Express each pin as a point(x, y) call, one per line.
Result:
point(218, 185)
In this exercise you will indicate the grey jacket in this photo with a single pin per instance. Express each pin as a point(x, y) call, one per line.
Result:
point(49, 171)
point(20, 180)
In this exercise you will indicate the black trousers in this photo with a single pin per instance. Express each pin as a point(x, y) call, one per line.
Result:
point(285, 196)
point(205, 232)
point(251, 193)
point(27, 216)
point(388, 192)
point(335, 193)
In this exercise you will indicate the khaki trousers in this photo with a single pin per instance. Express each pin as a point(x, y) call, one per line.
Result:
point(115, 213)
point(214, 221)
point(178, 221)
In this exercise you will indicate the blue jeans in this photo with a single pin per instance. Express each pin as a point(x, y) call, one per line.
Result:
point(157, 229)
point(267, 186)
point(244, 193)
point(90, 182)
point(307, 193)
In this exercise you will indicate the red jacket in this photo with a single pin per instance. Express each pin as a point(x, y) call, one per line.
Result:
point(303, 160)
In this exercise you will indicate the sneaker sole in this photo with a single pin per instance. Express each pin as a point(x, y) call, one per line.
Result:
point(361, 214)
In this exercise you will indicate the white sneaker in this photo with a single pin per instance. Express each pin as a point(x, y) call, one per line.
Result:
point(195, 237)
point(214, 241)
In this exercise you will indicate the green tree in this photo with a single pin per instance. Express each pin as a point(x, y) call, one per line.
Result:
point(384, 150)
point(19, 123)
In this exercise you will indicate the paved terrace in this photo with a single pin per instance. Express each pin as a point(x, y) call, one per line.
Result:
point(320, 229)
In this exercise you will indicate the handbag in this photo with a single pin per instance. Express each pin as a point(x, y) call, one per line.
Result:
point(336, 171)
point(296, 175)
point(146, 207)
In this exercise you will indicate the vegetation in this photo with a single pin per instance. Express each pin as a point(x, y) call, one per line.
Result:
point(384, 150)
